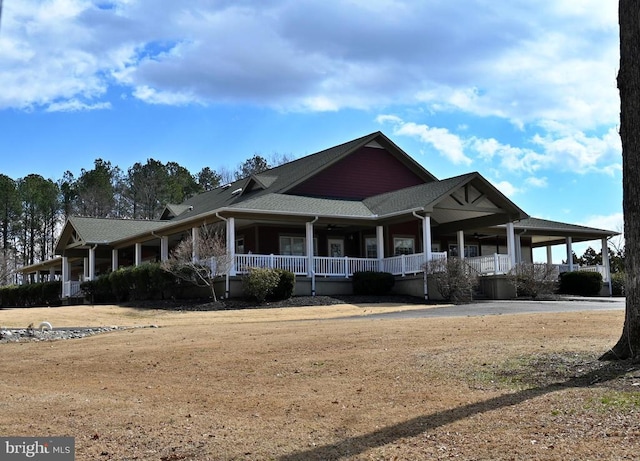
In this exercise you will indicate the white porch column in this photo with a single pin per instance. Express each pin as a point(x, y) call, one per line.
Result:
point(231, 243)
point(52, 274)
point(138, 254)
point(92, 263)
point(380, 246)
point(85, 269)
point(426, 238)
point(65, 277)
point(164, 248)
point(511, 244)
point(114, 260)
point(606, 264)
point(569, 241)
point(461, 244)
point(309, 241)
point(195, 236)
point(549, 255)
point(518, 249)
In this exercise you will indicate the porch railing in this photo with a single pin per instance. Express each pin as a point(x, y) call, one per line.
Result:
point(345, 266)
point(490, 265)
point(335, 267)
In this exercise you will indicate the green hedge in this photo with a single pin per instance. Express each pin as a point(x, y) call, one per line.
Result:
point(286, 285)
point(581, 283)
point(32, 294)
point(618, 281)
point(372, 283)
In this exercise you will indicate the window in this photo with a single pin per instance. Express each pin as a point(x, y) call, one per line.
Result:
point(371, 247)
point(240, 245)
point(403, 246)
point(296, 246)
point(470, 251)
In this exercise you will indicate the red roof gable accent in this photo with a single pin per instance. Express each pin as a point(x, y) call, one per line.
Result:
point(366, 172)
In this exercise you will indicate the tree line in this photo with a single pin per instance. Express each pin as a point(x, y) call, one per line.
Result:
point(34, 208)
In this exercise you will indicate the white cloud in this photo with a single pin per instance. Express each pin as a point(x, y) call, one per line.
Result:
point(521, 61)
point(506, 188)
point(73, 105)
point(442, 140)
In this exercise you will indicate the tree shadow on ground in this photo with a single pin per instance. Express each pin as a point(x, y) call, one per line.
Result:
point(356, 445)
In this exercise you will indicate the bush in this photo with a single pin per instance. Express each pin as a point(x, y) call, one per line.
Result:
point(454, 279)
point(372, 283)
point(98, 290)
point(533, 280)
point(120, 282)
point(31, 294)
point(581, 283)
point(260, 282)
point(618, 281)
point(286, 285)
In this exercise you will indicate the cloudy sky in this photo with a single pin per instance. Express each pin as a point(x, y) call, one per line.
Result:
point(523, 91)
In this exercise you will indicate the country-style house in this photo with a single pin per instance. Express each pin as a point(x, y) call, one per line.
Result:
point(362, 205)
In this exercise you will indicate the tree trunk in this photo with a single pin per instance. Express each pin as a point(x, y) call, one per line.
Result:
point(628, 345)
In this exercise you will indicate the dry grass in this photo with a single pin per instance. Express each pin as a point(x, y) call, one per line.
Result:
point(299, 384)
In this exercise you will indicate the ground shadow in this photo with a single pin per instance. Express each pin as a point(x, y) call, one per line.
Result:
point(416, 426)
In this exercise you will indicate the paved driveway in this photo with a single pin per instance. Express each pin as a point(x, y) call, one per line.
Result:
point(508, 307)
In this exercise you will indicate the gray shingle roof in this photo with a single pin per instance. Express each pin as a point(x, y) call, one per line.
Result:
point(541, 225)
point(104, 231)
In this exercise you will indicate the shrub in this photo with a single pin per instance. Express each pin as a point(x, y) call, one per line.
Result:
point(120, 282)
point(286, 285)
point(534, 279)
point(372, 283)
point(260, 283)
point(98, 290)
point(618, 281)
point(581, 283)
point(454, 279)
point(31, 294)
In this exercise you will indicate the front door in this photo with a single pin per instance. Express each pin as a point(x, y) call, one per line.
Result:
point(336, 248)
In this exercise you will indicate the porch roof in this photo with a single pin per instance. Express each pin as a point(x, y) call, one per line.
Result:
point(545, 232)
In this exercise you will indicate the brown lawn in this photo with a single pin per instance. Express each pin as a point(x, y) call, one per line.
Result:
point(300, 384)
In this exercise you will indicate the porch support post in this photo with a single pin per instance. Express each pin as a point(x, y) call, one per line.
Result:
point(164, 248)
point(511, 244)
point(138, 254)
point(92, 263)
point(114, 260)
point(52, 274)
point(569, 241)
point(426, 238)
point(85, 269)
point(231, 243)
point(65, 277)
point(549, 255)
point(606, 264)
point(461, 244)
point(309, 241)
point(380, 247)
point(518, 248)
point(195, 236)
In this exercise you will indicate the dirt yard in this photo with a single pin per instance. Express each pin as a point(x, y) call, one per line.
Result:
point(300, 384)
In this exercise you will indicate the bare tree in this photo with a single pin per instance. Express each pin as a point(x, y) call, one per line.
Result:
point(202, 260)
point(454, 279)
point(533, 279)
point(628, 346)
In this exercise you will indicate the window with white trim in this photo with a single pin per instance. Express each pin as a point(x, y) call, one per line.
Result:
point(371, 247)
point(470, 251)
point(296, 246)
point(404, 246)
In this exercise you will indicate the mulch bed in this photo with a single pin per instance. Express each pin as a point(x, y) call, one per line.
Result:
point(295, 301)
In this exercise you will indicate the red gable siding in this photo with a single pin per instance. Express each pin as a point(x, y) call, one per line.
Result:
point(364, 173)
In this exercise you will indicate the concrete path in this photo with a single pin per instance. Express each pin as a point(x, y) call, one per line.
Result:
point(508, 307)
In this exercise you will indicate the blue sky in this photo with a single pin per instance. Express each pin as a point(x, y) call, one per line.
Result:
point(522, 91)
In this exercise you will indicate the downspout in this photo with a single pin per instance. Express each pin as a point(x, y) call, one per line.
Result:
point(227, 287)
point(426, 263)
point(310, 256)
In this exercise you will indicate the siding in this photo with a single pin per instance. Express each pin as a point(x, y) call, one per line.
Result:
point(366, 172)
